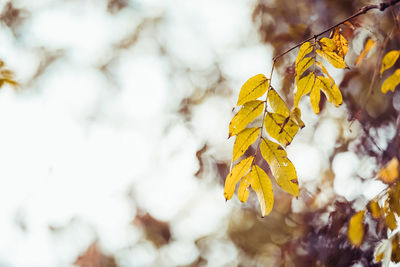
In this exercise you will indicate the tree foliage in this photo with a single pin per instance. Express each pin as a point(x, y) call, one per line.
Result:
point(279, 125)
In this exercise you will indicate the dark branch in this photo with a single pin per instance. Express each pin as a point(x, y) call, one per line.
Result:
point(382, 6)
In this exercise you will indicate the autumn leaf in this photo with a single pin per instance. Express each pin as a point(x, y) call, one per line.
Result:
point(328, 52)
point(281, 167)
point(305, 49)
point(262, 185)
point(368, 45)
point(243, 192)
point(281, 128)
point(390, 220)
point(304, 86)
point(237, 172)
point(393, 201)
point(296, 116)
point(331, 90)
point(391, 82)
point(315, 96)
point(342, 45)
point(327, 45)
point(356, 230)
point(246, 115)
point(389, 59)
point(253, 88)
point(243, 140)
point(277, 104)
point(390, 172)
point(375, 209)
point(332, 58)
point(303, 65)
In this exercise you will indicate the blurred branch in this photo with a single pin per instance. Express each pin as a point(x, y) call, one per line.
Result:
point(382, 6)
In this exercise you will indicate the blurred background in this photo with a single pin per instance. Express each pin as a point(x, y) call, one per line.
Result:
point(114, 149)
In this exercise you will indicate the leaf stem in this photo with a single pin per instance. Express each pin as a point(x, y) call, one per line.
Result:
point(382, 6)
point(265, 110)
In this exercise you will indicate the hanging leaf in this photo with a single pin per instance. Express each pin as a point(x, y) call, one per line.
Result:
point(389, 59)
point(333, 58)
point(281, 167)
point(315, 96)
point(243, 192)
point(243, 140)
point(393, 200)
point(246, 114)
point(391, 82)
point(367, 46)
point(303, 65)
point(390, 220)
point(305, 49)
point(262, 185)
point(395, 255)
point(375, 209)
point(342, 45)
point(327, 45)
point(328, 52)
point(356, 229)
point(253, 88)
point(296, 116)
point(390, 172)
point(331, 90)
point(281, 128)
point(237, 172)
point(304, 86)
point(277, 104)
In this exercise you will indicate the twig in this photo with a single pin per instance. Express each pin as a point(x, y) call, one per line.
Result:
point(382, 6)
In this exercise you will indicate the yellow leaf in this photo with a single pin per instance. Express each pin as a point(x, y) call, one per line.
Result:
point(305, 49)
point(281, 167)
point(375, 209)
point(390, 172)
point(393, 201)
point(262, 185)
point(243, 192)
point(237, 172)
point(315, 96)
point(277, 103)
point(296, 117)
point(253, 88)
point(342, 45)
point(327, 45)
point(391, 82)
point(356, 229)
point(395, 255)
point(243, 140)
point(303, 65)
point(331, 90)
point(368, 45)
point(246, 114)
point(390, 220)
point(281, 128)
point(389, 59)
point(304, 86)
point(332, 58)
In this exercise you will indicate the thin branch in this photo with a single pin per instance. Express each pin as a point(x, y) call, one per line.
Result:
point(382, 6)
